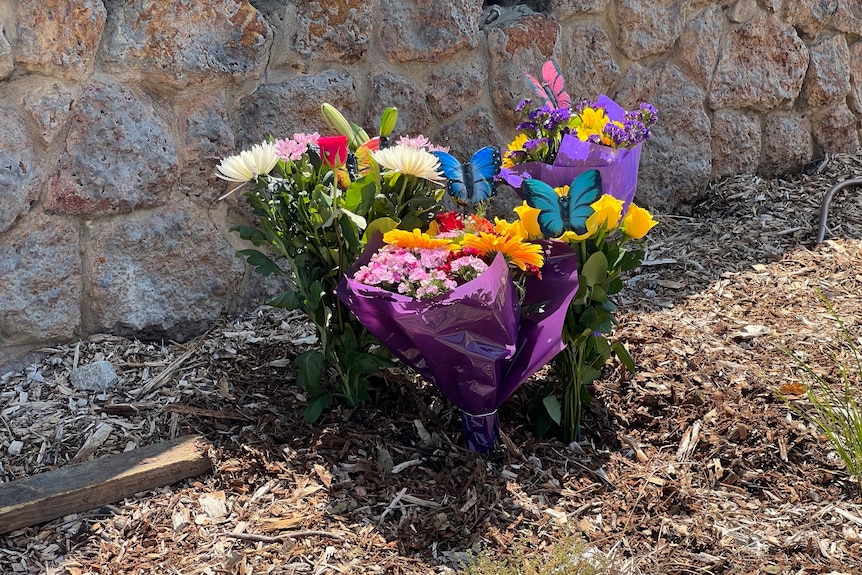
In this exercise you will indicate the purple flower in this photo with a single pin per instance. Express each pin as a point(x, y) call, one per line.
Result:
point(533, 145)
point(527, 127)
point(523, 104)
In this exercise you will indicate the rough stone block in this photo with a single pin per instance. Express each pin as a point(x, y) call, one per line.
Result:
point(828, 77)
point(59, 37)
point(119, 155)
point(428, 31)
point(787, 144)
point(735, 143)
point(646, 27)
point(763, 65)
point(18, 168)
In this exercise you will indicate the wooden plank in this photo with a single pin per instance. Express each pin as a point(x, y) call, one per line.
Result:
point(105, 480)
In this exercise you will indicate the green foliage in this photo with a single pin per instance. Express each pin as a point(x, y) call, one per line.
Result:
point(589, 321)
point(837, 413)
point(312, 224)
point(569, 556)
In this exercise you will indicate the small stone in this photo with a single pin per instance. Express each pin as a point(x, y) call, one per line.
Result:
point(97, 376)
point(15, 447)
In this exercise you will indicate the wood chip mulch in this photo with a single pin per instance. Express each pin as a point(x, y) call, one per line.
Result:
point(692, 465)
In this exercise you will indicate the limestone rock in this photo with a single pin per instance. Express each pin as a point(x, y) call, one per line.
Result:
point(119, 155)
point(208, 139)
point(50, 106)
point(698, 48)
point(40, 281)
point(855, 99)
point(177, 44)
point(337, 31)
point(647, 27)
point(836, 130)
point(388, 89)
point(591, 68)
point(735, 143)
point(847, 17)
point(449, 91)
point(473, 130)
point(18, 168)
point(742, 10)
point(516, 46)
point(828, 79)
point(564, 9)
point(159, 272)
point(96, 376)
point(809, 16)
point(7, 62)
point(283, 109)
point(428, 31)
point(786, 144)
point(677, 162)
point(59, 37)
point(763, 65)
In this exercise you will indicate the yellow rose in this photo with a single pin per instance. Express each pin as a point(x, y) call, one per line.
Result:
point(607, 211)
point(529, 218)
point(637, 222)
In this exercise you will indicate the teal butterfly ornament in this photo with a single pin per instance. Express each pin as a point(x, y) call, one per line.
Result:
point(473, 182)
point(569, 213)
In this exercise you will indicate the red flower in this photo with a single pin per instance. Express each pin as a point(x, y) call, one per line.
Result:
point(449, 221)
point(333, 150)
point(481, 224)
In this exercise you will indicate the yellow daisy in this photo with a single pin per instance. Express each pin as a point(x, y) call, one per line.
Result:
point(516, 251)
point(593, 121)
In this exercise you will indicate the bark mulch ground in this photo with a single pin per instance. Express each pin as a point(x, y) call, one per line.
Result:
point(694, 464)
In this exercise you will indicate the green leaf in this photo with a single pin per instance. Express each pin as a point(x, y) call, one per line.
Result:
point(360, 195)
point(632, 260)
point(315, 409)
point(310, 366)
point(552, 406)
point(250, 234)
point(261, 263)
point(381, 225)
point(623, 355)
point(289, 300)
point(595, 269)
point(315, 293)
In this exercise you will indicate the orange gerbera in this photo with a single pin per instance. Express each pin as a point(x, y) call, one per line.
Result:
point(414, 239)
point(516, 251)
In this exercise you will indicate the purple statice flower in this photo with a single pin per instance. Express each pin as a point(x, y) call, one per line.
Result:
point(290, 150)
point(595, 139)
point(535, 144)
point(618, 134)
point(523, 104)
point(527, 127)
point(582, 105)
point(646, 113)
point(540, 112)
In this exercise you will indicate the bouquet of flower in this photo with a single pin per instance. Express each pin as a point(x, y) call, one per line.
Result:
point(316, 201)
point(472, 307)
point(557, 141)
point(576, 168)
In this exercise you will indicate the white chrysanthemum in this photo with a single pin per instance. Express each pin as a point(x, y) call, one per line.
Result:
point(248, 164)
point(410, 161)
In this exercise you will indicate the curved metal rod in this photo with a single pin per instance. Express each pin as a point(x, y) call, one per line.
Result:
point(824, 206)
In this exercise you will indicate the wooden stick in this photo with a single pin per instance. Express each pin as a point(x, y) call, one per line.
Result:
point(92, 484)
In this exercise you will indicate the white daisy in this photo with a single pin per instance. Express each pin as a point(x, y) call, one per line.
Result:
point(410, 161)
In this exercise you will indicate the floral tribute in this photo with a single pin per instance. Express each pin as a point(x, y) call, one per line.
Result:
point(472, 306)
point(316, 200)
point(576, 168)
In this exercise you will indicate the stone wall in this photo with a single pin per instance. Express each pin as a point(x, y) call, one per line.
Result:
point(114, 114)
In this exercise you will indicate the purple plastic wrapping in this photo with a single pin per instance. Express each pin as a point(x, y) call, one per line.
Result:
point(475, 344)
point(618, 166)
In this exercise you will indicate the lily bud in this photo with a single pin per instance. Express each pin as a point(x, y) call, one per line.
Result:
point(387, 121)
point(358, 136)
point(335, 120)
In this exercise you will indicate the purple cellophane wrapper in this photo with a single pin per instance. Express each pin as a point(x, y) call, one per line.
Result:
point(480, 431)
point(618, 166)
point(475, 344)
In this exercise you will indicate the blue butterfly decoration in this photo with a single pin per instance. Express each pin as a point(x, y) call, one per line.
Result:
point(558, 214)
point(472, 182)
